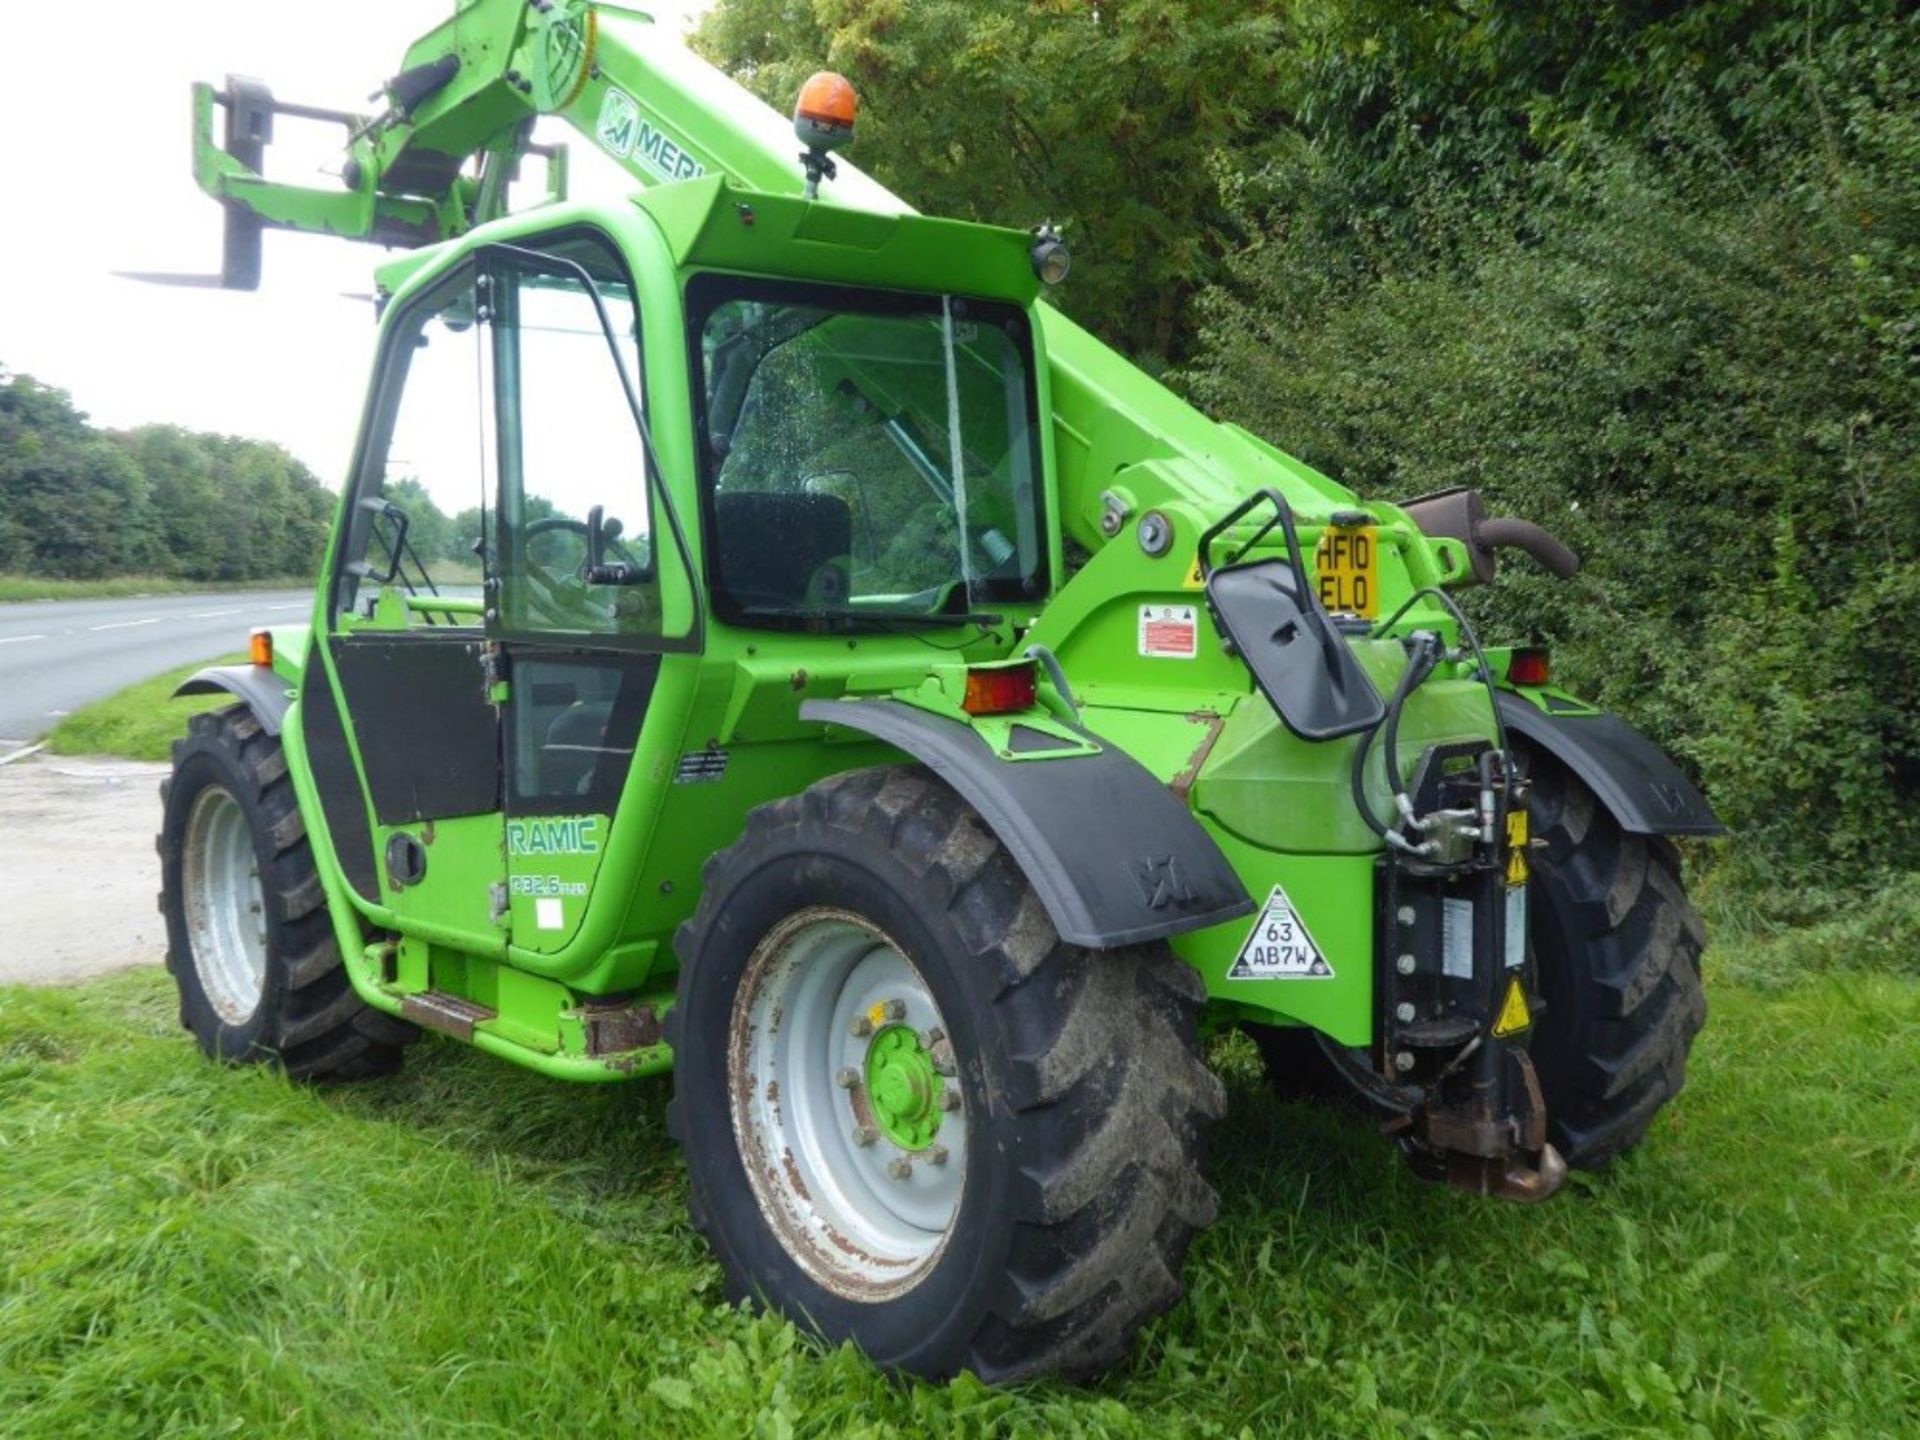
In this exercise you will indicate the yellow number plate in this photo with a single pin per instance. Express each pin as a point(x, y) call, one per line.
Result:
point(1347, 562)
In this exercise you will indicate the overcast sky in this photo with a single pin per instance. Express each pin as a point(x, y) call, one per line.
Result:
point(97, 111)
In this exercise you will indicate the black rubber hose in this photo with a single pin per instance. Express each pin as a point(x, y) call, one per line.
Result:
point(1480, 660)
point(1409, 678)
point(1420, 664)
point(1552, 552)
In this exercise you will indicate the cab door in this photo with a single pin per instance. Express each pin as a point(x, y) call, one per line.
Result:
point(591, 586)
point(405, 740)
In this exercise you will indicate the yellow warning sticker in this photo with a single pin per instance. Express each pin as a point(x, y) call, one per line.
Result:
point(1516, 847)
point(1514, 1015)
point(1195, 580)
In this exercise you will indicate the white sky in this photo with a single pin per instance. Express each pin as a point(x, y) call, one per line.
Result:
point(98, 178)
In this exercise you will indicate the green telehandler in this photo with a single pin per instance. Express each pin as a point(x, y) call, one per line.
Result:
point(761, 639)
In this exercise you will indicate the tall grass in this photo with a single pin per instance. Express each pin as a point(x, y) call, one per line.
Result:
point(472, 1250)
point(35, 587)
point(140, 722)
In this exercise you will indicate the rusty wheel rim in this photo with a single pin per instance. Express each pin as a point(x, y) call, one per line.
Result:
point(849, 1120)
point(225, 907)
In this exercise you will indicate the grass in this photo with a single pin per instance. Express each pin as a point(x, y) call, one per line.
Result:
point(33, 587)
point(469, 1249)
point(141, 722)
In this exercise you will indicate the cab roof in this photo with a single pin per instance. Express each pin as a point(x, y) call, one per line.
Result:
point(713, 224)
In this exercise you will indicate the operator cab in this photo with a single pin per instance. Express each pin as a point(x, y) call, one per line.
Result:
point(599, 439)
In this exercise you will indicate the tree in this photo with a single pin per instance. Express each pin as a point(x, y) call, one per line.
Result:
point(1103, 117)
point(80, 503)
point(75, 505)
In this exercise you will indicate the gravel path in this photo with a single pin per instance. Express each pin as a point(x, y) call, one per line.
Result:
point(78, 873)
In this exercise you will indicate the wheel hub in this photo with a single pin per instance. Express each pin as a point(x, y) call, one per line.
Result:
point(903, 1088)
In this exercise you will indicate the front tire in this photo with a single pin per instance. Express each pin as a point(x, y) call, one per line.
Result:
point(1616, 946)
point(250, 944)
point(833, 939)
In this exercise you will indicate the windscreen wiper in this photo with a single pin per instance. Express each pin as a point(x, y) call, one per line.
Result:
point(883, 620)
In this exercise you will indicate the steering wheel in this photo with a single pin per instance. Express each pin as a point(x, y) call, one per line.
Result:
point(567, 602)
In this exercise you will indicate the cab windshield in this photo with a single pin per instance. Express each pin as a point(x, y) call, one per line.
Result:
point(870, 456)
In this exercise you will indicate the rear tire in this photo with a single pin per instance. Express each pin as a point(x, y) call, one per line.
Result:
point(250, 944)
point(1616, 947)
point(1081, 1094)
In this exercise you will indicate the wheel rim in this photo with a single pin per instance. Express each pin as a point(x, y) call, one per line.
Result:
point(845, 1106)
point(226, 909)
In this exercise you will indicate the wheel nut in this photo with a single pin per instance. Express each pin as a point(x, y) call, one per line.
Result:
point(861, 1027)
point(901, 1168)
point(865, 1135)
point(949, 1099)
point(896, 1010)
point(1404, 964)
point(848, 1078)
point(933, 1037)
point(1404, 1013)
point(937, 1155)
point(942, 1057)
point(1403, 1061)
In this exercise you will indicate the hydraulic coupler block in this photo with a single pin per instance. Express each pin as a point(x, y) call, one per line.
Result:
point(1456, 991)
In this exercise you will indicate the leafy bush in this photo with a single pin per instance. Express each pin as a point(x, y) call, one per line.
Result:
point(1702, 378)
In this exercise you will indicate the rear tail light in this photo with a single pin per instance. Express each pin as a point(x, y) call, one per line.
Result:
point(1000, 690)
point(260, 647)
point(1529, 667)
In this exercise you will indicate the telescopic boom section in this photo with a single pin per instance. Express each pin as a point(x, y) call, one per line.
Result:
point(457, 119)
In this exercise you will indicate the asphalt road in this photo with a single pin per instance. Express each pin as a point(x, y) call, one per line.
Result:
point(57, 655)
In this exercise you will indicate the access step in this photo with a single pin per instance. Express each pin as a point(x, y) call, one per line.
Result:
point(449, 1014)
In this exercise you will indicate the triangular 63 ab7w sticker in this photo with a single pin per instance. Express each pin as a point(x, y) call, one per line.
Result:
point(1278, 947)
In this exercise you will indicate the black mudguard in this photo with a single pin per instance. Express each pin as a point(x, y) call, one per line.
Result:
point(1113, 856)
point(1643, 789)
point(266, 693)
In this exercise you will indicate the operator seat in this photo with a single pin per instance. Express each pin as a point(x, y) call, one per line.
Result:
point(772, 544)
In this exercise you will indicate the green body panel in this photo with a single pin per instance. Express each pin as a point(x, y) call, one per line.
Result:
point(1115, 443)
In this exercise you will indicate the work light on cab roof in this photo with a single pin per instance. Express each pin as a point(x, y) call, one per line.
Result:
point(823, 118)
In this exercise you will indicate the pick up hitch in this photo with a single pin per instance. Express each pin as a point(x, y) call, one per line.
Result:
point(1478, 1149)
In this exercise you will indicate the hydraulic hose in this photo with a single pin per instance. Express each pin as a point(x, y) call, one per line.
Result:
point(1420, 664)
point(1409, 679)
point(1480, 661)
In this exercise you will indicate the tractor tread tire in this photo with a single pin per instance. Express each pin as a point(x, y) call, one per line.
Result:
point(310, 1021)
point(1106, 1097)
point(1617, 947)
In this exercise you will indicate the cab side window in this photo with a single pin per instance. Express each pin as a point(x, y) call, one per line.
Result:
point(578, 551)
point(416, 538)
